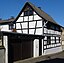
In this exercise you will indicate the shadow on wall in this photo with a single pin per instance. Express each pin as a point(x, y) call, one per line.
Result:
point(56, 60)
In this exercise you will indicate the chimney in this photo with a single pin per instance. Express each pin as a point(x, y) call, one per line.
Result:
point(39, 8)
point(0, 18)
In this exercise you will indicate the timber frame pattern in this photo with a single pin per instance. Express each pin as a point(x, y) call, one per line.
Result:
point(46, 29)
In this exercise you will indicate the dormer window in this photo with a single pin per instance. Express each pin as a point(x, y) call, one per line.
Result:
point(28, 13)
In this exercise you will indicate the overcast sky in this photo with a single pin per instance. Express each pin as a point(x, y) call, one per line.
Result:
point(55, 8)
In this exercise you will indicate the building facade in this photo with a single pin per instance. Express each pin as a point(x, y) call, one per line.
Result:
point(35, 22)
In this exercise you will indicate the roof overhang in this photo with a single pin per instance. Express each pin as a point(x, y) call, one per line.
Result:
point(20, 35)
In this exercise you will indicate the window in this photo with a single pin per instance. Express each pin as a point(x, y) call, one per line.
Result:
point(48, 40)
point(28, 13)
point(57, 28)
point(10, 26)
point(25, 13)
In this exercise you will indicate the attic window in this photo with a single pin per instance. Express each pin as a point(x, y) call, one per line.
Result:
point(28, 13)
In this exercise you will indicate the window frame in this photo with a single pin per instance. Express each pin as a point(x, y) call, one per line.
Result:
point(48, 40)
point(28, 13)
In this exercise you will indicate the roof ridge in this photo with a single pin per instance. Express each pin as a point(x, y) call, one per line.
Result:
point(41, 12)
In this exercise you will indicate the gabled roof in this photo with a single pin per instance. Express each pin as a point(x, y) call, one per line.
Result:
point(40, 12)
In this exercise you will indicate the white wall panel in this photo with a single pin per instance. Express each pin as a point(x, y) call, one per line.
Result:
point(25, 31)
point(39, 31)
point(31, 31)
point(58, 44)
point(32, 24)
point(18, 26)
point(36, 17)
point(36, 48)
point(25, 25)
point(19, 31)
point(45, 42)
point(45, 30)
point(34, 12)
point(30, 18)
point(26, 18)
point(57, 37)
point(20, 19)
point(5, 28)
point(44, 47)
point(22, 14)
point(39, 23)
point(45, 38)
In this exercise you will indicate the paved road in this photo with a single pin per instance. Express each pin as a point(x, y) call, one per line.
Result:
point(55, 58)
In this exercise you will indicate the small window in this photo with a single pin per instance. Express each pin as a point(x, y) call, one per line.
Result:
point(48, 40)
point(28, 13)
point(57, 28)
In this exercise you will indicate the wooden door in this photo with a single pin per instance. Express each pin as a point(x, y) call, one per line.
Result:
point(20, 49)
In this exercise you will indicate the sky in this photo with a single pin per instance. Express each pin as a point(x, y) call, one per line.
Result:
point(55, 8)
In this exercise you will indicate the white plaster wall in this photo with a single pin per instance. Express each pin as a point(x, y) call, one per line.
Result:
point(34, 12)
point(32, 24)
point(20, 19)
point(22, 14)
point(36, 17)
point(18, 26)
point(5, 28)
point(5, 40)
point(36, 48)
point(39, 31)
point(25, 31)
point(26, 18)
point(39, 24)
point(31, 31)
point(45, 30)
point(30, 18)
point(19, 31)
point(52, 50)
point(25, 25)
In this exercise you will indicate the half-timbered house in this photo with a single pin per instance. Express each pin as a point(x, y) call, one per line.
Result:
point(32, 33)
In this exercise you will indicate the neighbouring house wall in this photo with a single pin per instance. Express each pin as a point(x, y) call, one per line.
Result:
point(2, 56)
point(62, 38)
point(5, 41)
point(5, 28)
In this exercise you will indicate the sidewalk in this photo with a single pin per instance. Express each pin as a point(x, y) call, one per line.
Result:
point(43, 59)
